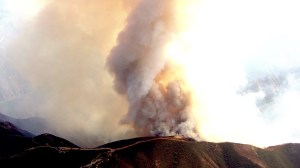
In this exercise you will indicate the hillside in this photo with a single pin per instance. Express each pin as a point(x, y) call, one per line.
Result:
point(52, 151)
point(180, 152)
point(34, 125)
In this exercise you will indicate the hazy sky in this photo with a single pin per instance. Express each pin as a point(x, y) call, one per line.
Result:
point(243, 62)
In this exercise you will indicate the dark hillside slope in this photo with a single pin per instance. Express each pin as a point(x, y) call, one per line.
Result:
point(152, 152)
point(14, 140)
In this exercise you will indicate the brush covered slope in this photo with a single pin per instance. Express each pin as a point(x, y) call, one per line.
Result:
point(18, 149)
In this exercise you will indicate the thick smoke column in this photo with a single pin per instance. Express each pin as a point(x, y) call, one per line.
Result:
point(156, 106)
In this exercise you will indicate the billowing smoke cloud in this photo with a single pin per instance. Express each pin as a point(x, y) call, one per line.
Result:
point(137, 62)
point(240, 59)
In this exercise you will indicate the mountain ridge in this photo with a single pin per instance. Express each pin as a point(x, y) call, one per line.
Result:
point(165, 152)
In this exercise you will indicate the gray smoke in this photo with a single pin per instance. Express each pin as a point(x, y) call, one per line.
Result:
point(137, 63)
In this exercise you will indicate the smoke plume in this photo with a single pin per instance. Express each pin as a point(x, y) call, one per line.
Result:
point(155, 108)
point(102, 70)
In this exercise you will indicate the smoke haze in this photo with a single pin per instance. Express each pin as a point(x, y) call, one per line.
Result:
point(61, 53)
point(97, 70)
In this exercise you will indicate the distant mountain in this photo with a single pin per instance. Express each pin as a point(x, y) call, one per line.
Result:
point(38, 125)
point(14, 140)
point(48, 151)
point(35, 125)
point(8, 129)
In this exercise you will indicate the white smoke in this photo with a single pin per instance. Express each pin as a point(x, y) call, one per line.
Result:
point(246, 67)
point(137, 61)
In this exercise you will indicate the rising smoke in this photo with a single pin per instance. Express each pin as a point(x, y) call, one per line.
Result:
point(137, 62)
point(79, 57)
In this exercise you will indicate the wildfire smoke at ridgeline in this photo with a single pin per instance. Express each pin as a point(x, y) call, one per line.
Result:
point(211, 70)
